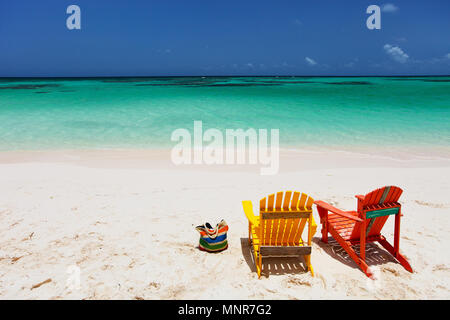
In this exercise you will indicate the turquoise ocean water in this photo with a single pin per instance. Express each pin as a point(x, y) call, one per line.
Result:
point(142, 112)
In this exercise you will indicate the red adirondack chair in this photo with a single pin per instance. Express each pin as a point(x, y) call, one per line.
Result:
point(349, 228)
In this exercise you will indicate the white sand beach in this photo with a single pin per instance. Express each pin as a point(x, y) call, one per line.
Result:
point(126, 219)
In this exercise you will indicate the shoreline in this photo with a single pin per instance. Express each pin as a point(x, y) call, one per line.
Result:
point(290, 159)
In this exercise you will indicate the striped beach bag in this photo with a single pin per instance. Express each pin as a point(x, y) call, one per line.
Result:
point(213, 239)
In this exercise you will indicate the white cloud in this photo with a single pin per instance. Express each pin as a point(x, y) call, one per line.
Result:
point(349, 65)
point(389, 7)
point(297, 22)
point(396, 53)
point(310, 61)
point(447, 55)
point(250, 65)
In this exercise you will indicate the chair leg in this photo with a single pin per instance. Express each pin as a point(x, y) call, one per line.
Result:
point(309, 265)
point(259, 268)
point(325, 232)
point(323, 219)
point(249, 233)
point(362, 241)
point(397, 232)
point(400, 258)
point(257, 257)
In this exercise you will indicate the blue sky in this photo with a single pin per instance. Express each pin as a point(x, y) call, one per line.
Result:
point(209, 37)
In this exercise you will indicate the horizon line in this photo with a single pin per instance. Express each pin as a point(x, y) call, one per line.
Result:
point(223, 76)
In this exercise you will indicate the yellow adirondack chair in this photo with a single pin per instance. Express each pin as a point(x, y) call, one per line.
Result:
point(278, 229)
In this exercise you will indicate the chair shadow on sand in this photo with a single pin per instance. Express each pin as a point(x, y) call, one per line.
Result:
point(375, 255)
point(273, 265)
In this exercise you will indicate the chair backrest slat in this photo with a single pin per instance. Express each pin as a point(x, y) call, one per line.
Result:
point(287, 200)
point(279, 201)
point(262, 204)
point(373, 197)
point(283, 217)
point(394, 195)
point(309, 203)
point(377, 194)
point(293, 233)
point(294, 201)
point(302, 201)
point(270, 202)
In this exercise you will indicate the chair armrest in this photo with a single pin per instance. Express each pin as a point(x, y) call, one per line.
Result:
point(359, 197)
point(248, 210)
point(337, 211)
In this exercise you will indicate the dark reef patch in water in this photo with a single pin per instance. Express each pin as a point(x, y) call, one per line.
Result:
point(405, 79)
point(42, 91)
point(363, 83)
point(295, 82)
point(153, 84)
point(207, 84)
point(240, 84)
point(178, 82)
point(436, 80)
point(279, 82)
point(167, 84)
point(128, 80)
point(419, 79)
point(30, 86)
point(202, 83)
